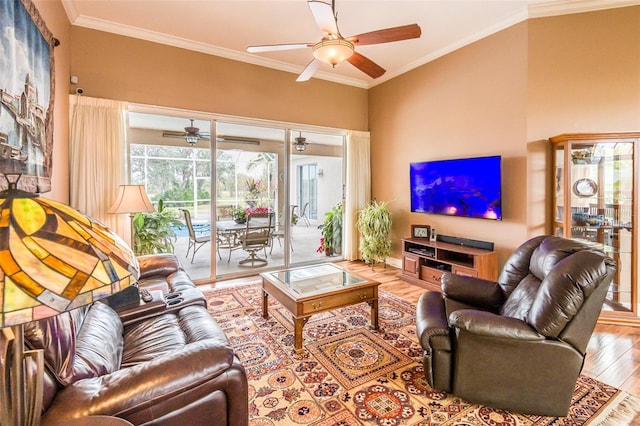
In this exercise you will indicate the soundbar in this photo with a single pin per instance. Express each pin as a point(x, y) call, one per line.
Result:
point(468, 242)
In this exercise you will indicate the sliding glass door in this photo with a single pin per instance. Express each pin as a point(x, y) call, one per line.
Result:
point(214, 186)
point(177, 178)
point(316, 184)
point(249, 162)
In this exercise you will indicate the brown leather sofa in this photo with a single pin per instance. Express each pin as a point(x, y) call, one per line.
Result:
point(166, 362)
point(519, 343)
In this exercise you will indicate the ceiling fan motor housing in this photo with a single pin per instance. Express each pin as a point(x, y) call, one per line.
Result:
point(300, 143)
point(193, 134)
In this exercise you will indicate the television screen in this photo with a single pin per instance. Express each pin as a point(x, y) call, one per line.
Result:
point(467, 187)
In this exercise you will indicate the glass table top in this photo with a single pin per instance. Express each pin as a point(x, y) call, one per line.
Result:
point(310, 280)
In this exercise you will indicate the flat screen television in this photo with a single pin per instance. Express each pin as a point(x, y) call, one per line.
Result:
point(469, 187)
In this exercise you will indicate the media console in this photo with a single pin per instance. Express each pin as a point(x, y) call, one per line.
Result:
point(424, 262)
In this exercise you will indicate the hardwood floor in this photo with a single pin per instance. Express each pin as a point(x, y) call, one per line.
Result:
point(613, 354)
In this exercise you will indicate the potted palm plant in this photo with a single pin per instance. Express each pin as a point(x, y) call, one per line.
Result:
point(374, 224)
point(153, 232)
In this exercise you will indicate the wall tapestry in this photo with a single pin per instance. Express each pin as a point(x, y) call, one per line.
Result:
point(26, 95)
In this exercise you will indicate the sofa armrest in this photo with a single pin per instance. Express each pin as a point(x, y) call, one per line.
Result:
point(485, 323)
point(158, 264)
point(431, 321)
point(477, 292)
point(165, 381)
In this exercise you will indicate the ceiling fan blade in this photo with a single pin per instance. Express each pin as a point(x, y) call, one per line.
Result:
point(173, 134)
point(276, 47)
point(180, 135)
point(323, 14)
point(309, 70)
point(388, 35)
point(366, 65)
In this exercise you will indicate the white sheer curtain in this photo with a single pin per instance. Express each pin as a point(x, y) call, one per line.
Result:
point(358, 189)
point(97, 163)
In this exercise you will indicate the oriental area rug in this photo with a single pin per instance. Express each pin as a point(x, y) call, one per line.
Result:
point(351, 375)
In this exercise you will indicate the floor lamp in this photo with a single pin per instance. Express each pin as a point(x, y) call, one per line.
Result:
point(53, 259)
point(132, 199)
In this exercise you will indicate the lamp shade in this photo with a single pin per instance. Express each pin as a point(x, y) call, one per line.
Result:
point(132, 199)
point(54, 259)
point(333, 51)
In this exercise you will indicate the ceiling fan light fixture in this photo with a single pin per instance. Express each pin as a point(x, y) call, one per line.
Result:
point(300, 143)
point(333, 51)
point(193, 134)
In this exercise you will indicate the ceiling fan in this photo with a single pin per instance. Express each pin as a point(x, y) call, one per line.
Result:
point(333, 48)
point(300, 143)
point(191, 134)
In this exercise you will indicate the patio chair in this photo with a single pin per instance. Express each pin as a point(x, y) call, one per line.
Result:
point(278, 232)
point(196, 239)
point(303, 214)
point(227, 240)
point(257, 237)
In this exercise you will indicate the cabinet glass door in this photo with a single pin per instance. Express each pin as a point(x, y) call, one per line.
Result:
point(594, 202)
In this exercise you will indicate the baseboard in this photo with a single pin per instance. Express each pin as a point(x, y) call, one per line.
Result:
point(396, 263)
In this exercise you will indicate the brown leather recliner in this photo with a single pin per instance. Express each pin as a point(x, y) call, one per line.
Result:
point(151, 364)
point(519, 343)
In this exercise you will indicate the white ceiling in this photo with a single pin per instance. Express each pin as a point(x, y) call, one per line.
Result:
point(226, 27)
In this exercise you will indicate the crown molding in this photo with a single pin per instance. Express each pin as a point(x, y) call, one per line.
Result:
point(70, 9)
point(566, 7)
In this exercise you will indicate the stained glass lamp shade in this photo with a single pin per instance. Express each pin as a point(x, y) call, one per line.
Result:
point(54, 259)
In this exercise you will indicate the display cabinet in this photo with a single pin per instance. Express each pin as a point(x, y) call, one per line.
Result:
point(595, 193)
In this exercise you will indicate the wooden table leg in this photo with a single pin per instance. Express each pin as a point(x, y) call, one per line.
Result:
point(265, 304)
point(374, 313)
point(297, 333)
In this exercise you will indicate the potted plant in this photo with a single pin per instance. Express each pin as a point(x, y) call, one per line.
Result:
point(374, 224)
point(239, 215)
point(331, 240)
point(153, 232)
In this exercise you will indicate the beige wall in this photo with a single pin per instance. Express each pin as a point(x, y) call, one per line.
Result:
point(469, 103)
point(123, 68)
point(584, 76)
point(57, 22)
point(584, 73)
point(503, 95)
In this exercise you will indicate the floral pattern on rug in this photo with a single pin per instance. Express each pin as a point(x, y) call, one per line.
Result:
point(356, 356)
point(349, 374)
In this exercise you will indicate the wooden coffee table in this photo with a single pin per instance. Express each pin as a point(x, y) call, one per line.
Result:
point(313, 289)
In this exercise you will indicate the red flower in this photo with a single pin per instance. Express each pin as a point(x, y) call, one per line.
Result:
point(322, 247)
point(257, 210)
